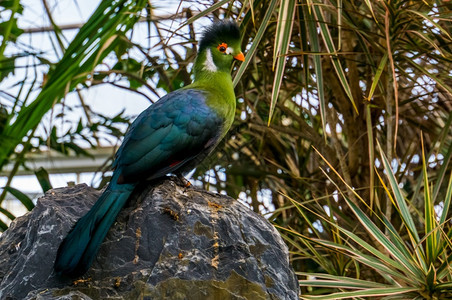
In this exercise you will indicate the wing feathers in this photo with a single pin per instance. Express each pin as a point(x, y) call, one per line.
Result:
point(164, 134)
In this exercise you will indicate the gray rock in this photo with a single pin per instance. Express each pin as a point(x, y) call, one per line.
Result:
point(167, 243)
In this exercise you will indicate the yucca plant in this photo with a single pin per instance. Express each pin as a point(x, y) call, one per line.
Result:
point(377, 258)
point(336, 75)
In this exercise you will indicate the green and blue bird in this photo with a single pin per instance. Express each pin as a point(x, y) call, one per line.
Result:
point(171, 136)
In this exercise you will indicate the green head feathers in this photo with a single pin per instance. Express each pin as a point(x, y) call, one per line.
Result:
point(219, 46)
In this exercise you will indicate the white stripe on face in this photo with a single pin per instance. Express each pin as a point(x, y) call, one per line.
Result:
point(209, 64)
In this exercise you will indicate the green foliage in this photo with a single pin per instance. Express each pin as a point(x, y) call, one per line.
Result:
point(94, 41)
point(10, 31)
point(356, 73)
point(404, 262)
point(26, 201)
point(103, 32)
point(44, 181)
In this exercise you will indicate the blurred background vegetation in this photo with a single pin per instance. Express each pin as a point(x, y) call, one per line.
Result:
point(342, 135)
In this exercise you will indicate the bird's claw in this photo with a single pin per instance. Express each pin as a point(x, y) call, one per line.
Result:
point(186, 183)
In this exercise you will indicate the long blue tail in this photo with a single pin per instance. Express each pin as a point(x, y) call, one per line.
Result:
point(79, 248)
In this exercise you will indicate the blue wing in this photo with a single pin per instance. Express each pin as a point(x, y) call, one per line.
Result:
point(166, 137)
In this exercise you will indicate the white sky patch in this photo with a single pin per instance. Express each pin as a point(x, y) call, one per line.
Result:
point(209, 64)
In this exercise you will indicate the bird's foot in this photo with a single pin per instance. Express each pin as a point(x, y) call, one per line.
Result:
point(186, 183)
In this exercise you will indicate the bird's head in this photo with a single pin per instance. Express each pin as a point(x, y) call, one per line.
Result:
point(219, 46)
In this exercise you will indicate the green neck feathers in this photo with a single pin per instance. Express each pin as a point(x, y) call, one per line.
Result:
point(219, 46)
point(216, 80)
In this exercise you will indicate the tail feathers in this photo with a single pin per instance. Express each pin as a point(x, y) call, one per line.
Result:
point(79, 248)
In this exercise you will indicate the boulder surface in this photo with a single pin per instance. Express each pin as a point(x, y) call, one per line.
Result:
point(169, 242)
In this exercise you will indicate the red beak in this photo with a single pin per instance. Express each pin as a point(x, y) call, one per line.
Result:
point(240, 56)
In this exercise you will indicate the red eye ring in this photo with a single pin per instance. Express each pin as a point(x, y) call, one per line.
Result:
point(222, 47)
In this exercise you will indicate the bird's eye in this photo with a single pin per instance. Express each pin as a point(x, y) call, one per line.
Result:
point(222, 47)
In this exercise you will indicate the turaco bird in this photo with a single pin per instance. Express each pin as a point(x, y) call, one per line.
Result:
point(171, 136)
